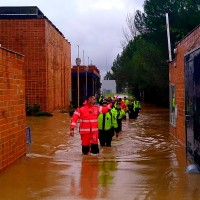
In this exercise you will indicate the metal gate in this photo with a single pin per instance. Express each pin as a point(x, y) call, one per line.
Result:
point(192, 105)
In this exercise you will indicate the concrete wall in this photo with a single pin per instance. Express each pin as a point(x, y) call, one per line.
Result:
point(12, 108)
point(47, 60)
point(176, 74)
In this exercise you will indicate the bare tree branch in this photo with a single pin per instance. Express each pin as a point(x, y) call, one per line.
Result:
point(130, 32)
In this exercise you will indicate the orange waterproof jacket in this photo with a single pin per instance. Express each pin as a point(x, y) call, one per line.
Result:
point(88, 117)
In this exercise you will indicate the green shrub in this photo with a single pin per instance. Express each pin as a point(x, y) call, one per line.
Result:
point(70, 109)
point(40, 113)
point(35, 111)
point(29, 110)
point(36, 108)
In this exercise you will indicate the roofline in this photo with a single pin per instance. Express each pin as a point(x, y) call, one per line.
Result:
point(187, 34)
point(29, 16)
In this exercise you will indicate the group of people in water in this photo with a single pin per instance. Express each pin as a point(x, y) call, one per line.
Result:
point(101, 119)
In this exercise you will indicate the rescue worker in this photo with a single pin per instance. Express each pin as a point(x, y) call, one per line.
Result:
point(101, 99)
point(123, 105)
point(106, 124)
point(131, 111)
point(109, 99)
point(136, 107)
point(88, 117)
point(119, 116)
point(126, 101)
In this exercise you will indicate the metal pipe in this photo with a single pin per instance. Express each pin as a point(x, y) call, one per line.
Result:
point(168, 38)
point(78, 51)
point(86, 85)
point(83, 58)
point(78, 84)
point(78, 75)
point(86, 79)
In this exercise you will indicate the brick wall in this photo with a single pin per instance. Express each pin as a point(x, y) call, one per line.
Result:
point(176, 70)
point(58, 68)
point(47, 60)
point(12, 108)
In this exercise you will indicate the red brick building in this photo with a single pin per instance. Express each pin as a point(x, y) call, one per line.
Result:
point(184, 78)
point(12, 104)
point(47, 55)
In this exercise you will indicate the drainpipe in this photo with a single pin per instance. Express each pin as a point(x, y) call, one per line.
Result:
point(168, 38)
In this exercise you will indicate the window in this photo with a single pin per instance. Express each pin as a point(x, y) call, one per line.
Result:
point(173, 106)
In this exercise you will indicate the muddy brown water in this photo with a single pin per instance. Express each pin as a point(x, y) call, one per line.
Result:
point(144, 163)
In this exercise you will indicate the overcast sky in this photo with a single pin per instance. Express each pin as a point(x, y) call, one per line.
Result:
point(94, 25)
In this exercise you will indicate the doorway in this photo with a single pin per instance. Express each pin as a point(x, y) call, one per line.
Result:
point(192, 104)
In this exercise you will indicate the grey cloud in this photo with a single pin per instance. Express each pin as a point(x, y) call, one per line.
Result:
point(98, 33)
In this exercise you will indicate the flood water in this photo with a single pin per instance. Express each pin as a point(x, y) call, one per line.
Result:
point(144, 163)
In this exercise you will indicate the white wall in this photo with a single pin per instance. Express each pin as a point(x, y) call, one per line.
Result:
point(108, 86)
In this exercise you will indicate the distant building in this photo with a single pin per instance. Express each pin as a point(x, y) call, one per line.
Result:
point(47, 62)
point(89, 83)
point(108, 87)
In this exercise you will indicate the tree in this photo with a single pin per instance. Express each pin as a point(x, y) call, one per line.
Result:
point(130, 32)
point(108, 76)
point(142, 64)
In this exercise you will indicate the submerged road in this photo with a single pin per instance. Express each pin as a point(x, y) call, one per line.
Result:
point(144, 163)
